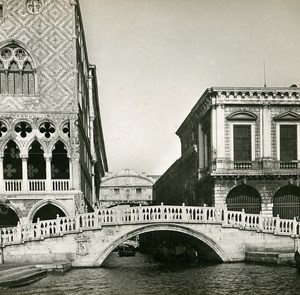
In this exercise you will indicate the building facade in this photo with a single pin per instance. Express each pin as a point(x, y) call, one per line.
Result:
point(52, 152)
point(240, 148)
point(126, 187)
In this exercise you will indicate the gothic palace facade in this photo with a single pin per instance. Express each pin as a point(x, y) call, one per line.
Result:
point(240, 148)
point(52, 153)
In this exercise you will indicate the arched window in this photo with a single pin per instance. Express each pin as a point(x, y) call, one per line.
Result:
point(48, 212)
point(286, 202)
point(36, 165)
point(12, 163)
point(60, 162)
point(16, 70)
point(244, 197)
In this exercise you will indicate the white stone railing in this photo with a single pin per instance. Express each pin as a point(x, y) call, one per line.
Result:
point(150, 214)
point(60, 184)
point(37, 185)
point(13, 185)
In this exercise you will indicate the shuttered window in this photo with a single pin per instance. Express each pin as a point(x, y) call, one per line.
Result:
point(242, 142)
point(288, 142)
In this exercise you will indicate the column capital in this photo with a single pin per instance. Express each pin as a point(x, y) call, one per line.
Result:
point(47, 156)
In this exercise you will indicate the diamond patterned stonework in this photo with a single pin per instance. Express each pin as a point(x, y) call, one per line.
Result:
point(47, 36)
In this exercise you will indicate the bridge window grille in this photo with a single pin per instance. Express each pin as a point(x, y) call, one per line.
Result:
point(242, 142)
point(286, 202)
point(16, 71)
point(244, 197)
point(288, 142)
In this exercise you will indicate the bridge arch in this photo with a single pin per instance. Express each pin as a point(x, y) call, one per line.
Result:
point(163, 227)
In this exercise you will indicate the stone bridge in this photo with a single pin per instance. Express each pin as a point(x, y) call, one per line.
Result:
point(87, 239)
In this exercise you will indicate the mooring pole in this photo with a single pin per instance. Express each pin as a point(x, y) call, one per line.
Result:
point(1, 250)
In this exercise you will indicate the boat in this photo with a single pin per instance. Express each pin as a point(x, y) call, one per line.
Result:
point(126, 250)
point(297, 259)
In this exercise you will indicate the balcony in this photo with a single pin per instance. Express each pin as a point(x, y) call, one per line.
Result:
point(242, 165)
point(35, 185)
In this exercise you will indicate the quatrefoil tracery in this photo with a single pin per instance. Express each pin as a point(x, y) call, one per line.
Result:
point(23, 128)
point(3, 129)
point(47, 129)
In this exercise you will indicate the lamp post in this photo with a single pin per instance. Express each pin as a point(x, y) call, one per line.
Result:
point(3, 210)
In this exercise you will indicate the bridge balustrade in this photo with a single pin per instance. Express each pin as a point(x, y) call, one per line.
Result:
point(149, 214)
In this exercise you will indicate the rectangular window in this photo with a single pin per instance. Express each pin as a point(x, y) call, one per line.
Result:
point(138, 191)
point(288, 142)
point(242, 142)
point(116, 191)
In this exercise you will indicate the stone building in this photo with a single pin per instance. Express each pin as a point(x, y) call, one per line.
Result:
point(52, 152)
point(240, 148)
point(126, 187)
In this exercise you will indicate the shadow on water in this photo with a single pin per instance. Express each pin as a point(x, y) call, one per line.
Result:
point(141, 275)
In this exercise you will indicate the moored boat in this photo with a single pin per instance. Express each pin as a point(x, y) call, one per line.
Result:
point(297, 259)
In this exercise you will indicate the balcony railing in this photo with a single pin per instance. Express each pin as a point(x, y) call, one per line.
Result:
point(288, 165)
point(242, 165)
point(34, 185)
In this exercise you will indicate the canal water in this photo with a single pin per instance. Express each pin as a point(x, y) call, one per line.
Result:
point(141, 275)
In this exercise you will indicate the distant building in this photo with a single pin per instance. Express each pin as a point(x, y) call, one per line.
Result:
point(126, 187)
point(52, 152)
point(240, 148)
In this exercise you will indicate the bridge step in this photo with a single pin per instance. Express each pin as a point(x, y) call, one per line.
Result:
point(20, 276)
point(280, 258)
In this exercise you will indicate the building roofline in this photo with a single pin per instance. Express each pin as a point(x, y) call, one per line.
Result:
point(220, 89)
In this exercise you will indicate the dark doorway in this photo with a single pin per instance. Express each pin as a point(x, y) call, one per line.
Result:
point(244, 197)
point(36, 162)
point(8, 217)
point(286, 202)
point(12, 163)
point(60, 162)
point(47, 212)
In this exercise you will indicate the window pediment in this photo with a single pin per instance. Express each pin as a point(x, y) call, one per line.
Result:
point(287, 116)
point(242, 116)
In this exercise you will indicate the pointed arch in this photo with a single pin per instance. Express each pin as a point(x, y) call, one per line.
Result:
point(12, 162)
point(18, 73)
point(39, 205)
point(36, 164)
point(60, 162)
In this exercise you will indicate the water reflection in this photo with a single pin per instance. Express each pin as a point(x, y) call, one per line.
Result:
point(141, 275)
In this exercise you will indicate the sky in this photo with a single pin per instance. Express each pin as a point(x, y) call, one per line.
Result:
point(155, 58)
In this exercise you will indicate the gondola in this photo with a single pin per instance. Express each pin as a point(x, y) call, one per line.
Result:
point(297, 259)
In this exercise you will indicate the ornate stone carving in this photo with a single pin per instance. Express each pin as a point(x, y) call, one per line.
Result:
point(82, 244)
point(34, 6)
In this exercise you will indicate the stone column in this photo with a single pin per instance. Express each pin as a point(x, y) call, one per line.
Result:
point(25, 184)
point(1, 175)
point(48, 172)
point(70, 174)
point(213, 133)
point(201, 150)
point(266, 138)
point(220, 138)
point(76, 174)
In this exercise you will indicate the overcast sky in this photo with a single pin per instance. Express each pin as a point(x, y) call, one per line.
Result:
point(155, 58)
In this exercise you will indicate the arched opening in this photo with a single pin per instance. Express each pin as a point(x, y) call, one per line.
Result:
point(36, 165)
point(8, 217)
point(60, 162)
point(12, 163)
point(47, 212)
point(207, 249)
point(244, 197)
point(286, 202)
